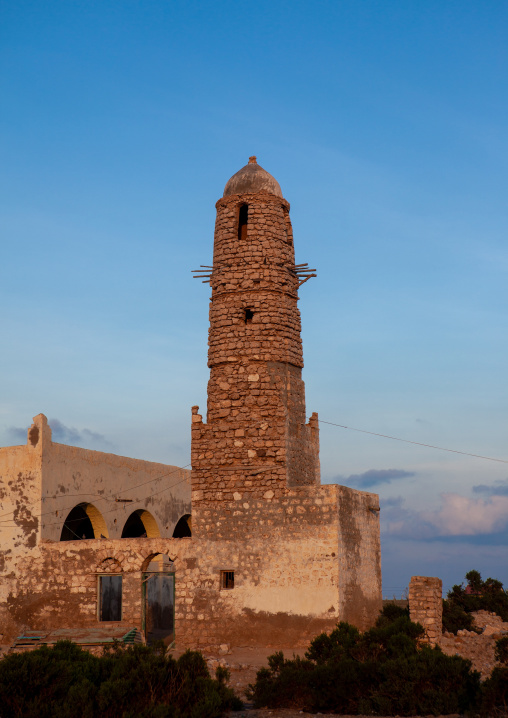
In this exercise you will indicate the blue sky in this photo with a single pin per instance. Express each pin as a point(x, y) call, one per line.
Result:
point(385, 124)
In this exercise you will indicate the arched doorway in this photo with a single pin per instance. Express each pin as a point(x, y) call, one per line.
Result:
point(158, 590)
point(141, 524)
point(84, 521)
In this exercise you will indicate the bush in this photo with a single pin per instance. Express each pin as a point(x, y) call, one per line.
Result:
point(391, 611)
point(455, 618)
point(502, 650)
point(383, 671)
point(495, 693)
point(138, 681)
point(478, 595)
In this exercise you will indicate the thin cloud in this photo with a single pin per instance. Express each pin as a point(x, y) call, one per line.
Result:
point(462, 516)
point(17, 435)
point(69, 435)
point(499, 488)
point(62, 434)
point(374, 477)
point(457, 516)
point(397, 520)
point(392, 502)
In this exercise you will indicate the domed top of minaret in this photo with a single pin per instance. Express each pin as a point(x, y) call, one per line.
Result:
point(250, 179)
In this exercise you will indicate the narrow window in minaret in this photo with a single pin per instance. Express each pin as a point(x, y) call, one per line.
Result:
point(289, 231)
point(243, 218)
point(249, 314)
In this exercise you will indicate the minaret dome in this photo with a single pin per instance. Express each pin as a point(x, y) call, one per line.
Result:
point(251, 179)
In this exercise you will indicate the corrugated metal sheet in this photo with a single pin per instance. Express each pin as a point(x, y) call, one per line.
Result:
point(91, 636)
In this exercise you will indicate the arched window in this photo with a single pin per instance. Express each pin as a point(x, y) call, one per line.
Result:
point(85, 521)
point(141, 524)
point(158, 563)
point(243, 219)
point(183, 528)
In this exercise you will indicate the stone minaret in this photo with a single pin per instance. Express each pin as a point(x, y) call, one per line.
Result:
point(255, 441)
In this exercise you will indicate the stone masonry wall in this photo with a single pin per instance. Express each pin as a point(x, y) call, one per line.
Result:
point(57, 586)
point(283, 547)
point(426, 606)
point(285, 590)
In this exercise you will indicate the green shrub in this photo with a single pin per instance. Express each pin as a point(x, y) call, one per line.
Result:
point(502, 650)
point(486, 595)
point(134, 682)
point(335, 645)
point(455, 618)
point(495, 693)
point(391, 611)
point(383, 671)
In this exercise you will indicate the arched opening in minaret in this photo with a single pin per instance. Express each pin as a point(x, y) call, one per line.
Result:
point(243, 219)
point(249, 315)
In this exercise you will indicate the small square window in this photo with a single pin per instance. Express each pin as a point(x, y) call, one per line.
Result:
point(110, 598)
point(227, 579)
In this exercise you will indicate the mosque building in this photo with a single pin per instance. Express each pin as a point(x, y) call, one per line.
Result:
point(247, 548)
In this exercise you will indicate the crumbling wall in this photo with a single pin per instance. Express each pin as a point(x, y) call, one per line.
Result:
point(359, 543)
point(57, 586)
point(57, 583)
point(20, 511)
point(426, 606)
point(42, 582)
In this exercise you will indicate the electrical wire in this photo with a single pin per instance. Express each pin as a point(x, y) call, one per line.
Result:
point(111, 496)
point(100, 497)
point(417, 443)
point(105, 498)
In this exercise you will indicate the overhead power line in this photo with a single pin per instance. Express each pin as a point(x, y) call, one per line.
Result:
point(417, 443)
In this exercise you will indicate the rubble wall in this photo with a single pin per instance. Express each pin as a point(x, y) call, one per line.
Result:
point(426, 606)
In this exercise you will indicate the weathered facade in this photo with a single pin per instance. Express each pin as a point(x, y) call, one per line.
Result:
point(274, 557)
point(54, 498)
